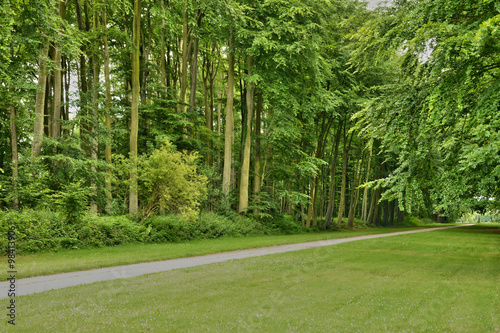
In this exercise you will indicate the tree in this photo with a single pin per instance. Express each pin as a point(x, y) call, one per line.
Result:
point(134, 127)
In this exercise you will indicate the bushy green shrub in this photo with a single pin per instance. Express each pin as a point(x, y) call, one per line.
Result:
point(38, 230)
point(174, 228)
point(111, 230)
point(169, 181)
point(410, 220)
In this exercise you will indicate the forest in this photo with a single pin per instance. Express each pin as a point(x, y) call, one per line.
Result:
point(308, 114)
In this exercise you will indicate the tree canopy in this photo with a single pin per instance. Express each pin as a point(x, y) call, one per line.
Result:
point(321, 110)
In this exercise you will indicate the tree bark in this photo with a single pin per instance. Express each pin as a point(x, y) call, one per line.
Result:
point(134, 127)
point(56, 111)
point(83, 112)
point(162, 48)
point(257, 171)
point(184, 60)
point(355, 192)
point(312, 212)
point(194, 71)
point(15, 155)
point(245, 168)
point(95, 105)
point(40, 102)
point(364, 206)
point(107, 113)
point(344, 175)
point(331, 196)
point(228, 137)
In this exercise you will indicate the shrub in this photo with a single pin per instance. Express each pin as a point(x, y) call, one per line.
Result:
point(173, 228)
point(169, 181)
point(44, 229)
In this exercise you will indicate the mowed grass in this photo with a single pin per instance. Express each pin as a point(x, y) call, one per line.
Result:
point(53, 262)
point(439, 281)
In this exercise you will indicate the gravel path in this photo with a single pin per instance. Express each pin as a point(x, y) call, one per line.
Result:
point(57, 281)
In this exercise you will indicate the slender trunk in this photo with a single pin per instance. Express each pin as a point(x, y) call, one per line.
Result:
point(56, 105)
point(372, 207)
point(146, 51)
point(355, 192)
point(56, 112)
point(107, 113)
point(257, 177)
point(391, 212)
point(134, 127)
point(219, 107)
point(245, 168)
point(40, 102)
point(15, 158)
point(345, 158)
point(376, 213)
point(95, 105)
point(312, 212)
point(364, 207)
point(83, 112)
point(194, 71)
point(162, 48)
point(67, 80)
point(228, 137)
point(184, 60)
point(205, 73)
point(331, 196)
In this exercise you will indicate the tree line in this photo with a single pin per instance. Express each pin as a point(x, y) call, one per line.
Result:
point(322, 110)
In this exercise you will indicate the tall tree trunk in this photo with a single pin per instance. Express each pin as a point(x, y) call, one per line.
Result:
point(163, 64)
point(40, 102)
point(184, 60)
point(229, 135)
point(312, 212)
point(134, 127)
point(364, 207)
point(219, 107)
point(95, 105)
point(83, 112)
point(194, 72)
point(345, 157)
point(355, 192)
point(145, 56)
point(107, 112)
point(391, 212)
point(245, 168)
point(56, 112)
point(369, 218)
point(15, 157)
point(205, 73)
point(67, 80)
point(257, 171)
point(331, 196)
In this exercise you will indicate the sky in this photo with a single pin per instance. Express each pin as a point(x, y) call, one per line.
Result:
point(374, 3)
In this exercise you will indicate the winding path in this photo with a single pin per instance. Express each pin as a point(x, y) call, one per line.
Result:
point(39, 284)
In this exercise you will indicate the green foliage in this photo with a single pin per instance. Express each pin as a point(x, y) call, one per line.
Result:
point(440, 118)
point(38, 230)
point(169, 181)
point(172, 228)
point(72, 201)
point(410, 220)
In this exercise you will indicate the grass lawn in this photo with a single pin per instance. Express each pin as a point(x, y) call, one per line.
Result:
point(440, 281)
point(53, 262)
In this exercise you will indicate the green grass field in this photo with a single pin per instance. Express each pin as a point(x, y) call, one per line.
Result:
point(53, 262)
point(440, 281)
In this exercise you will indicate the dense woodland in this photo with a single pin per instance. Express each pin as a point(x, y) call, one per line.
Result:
point(316, 109)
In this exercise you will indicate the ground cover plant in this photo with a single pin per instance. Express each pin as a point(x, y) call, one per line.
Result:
point(443, 280)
